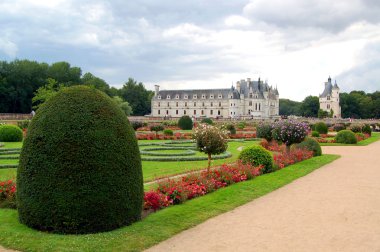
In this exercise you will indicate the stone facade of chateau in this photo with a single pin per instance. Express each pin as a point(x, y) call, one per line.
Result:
point(329, 99)
point(251, 99)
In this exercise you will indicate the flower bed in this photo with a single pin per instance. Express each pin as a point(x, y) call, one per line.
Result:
point(172, 192)
point(8, 194)
point(153, 136)
point(243, 135)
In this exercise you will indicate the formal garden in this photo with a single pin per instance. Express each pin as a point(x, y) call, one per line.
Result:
point(88, 179)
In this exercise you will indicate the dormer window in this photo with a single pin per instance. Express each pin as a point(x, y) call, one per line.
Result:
point(203, 96)
point(212, 96)
point(159, 97)
point(168, 97)
point(185, 97)
point(328, 98)
point(177, 96)
point(195, 96)
point(220, 96)
point(231, 96)
point(250, 95)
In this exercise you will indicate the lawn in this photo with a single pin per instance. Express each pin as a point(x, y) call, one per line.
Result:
point(151, 169)
point(158, 226)
point(374, 137)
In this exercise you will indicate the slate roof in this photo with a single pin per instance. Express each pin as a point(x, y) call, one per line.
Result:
point(328, 88)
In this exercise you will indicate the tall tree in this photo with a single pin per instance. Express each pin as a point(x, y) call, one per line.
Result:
point(310, 106)
point(137, 96)
point(289, 107)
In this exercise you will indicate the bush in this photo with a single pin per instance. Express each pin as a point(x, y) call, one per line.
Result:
point(312, 145)
point(367, 129)
point(356, 128)
point(185, 123)
point(10, 133)
point(23, 124)
point(80, 169)
point(231, 128)
point(339, 126)
point(207, 120)
point(346, 137)
point(168, 132)
point(157, 127)
point(315, 134)
point(257, 155)
point(241, 125)
point(321, 127)
point(264, 130)
point(136, 124)
point(289, 132)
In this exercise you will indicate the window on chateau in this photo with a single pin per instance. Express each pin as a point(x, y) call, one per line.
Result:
point(168, 97)
point(195, 112)
point(231, 104)
point(250, 95)
point(195, 104)
point(159, 111)
point(220, 96)
point(185, 97)
point(177, 96)
point(203, 104)
point(195, 96)
point(203, 96)
point(158, 103)
point(202, 112)
point(167, 112)
point(220, 104)
point(211, 112)
point(185, 104)
point(259, 106)
point(218, 112)
point(250, 103)
point(212, 96)
point(176, 112)
point(184, 112)
point(328, 106)
point(159, 97)
point(255, 106)
point(211, 104)
point(328, 98)
point(176, 104)
point(168, 104)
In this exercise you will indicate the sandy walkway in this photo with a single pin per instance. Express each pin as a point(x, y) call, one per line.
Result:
point(335, 208)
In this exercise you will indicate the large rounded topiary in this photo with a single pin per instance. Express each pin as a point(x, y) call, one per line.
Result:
point(321, 127)
point(257, 155)
point(80, 168)
point(185, 123)
point(312, 145)
point(10, 133)
point(346, 137)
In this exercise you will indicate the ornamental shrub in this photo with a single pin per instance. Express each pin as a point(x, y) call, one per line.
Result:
point(185, 123)
point(23, 124)
point(264, 130)
point(346, 137)
point(338, 127)
point(242, 125)
point(80, 168)
point(356, 128)
point(210, 140)
point(312, 145)
point(136, 124)
point(256, 156)
point(207, 120)
point(367, 129)
point(10, 133)
point(231, 128)
point(168, 132)
point(315, 133)
point(289, 132)
point(321, 127)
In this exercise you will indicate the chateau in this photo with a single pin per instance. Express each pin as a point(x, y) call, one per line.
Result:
point(251, 99)
point(329, 99)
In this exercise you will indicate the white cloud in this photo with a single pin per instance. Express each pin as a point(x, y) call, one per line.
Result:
point(8, 47)
point(237, 21)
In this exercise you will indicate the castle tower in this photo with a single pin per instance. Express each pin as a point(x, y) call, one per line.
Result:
point(329, 99)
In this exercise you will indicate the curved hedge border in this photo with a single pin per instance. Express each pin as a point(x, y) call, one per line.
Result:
point(192, 158)
point(6, 166)
point(151, 152)
point(9, 157)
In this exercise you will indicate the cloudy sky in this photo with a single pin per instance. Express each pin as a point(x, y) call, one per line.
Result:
point(294, 44)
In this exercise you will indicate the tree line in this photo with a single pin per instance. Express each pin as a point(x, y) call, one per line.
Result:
point(25, 84)
point(356, 104)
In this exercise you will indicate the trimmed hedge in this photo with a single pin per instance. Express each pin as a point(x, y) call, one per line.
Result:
point(207, 120)
point(321, 127)
point(315, 133)
point(185, 123)
point(80, 167)
point(192, 158)
point(257, 155)
point(312, 145)
point(10, 133)
point(346, 137)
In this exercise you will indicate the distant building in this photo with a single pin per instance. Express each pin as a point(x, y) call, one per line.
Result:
point(254, 99)
point(329, 99)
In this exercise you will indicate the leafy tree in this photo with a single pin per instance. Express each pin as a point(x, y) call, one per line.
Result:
point(210, 140)
point(62, 72)
point(322, 113)
point(289, 107)
point(89, 79)
point(289, 132)
point(46, 92)
point(310, 106)
point(139, 98)
point(123, 105)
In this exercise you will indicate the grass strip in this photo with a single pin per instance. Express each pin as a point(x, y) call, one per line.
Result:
point(374, 137)
point(158, 226)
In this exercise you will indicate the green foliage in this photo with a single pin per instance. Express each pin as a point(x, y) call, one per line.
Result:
point(137, 96)
point(230, 127)
point(322, 113)
point(321, 127)
point(136, 124)
point(289, 107)
point(23, 124)
point(346, 137)
point(315, 133)
point(367, 129)
point(312, 145)
point(168, 132)
point(156, 127)
point(10, 133)
point(356, 128)
point(207, 120)
point(338, 127)
point(80, 169)
point(310, 106)
point(264, 130)
point(185, 123)
point(289, 132)
point(123, 105)
point(257, 155)
point(242, 125)
point(46, 92)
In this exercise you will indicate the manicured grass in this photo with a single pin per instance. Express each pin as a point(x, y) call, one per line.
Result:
point(158, 226)
point(374, 137)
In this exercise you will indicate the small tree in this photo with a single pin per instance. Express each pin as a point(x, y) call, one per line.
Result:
point(264, 130)
point(210, 140)
point(157, 128)
point(290, 132)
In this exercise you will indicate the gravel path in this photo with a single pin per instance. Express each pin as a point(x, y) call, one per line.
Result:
point(335, 208)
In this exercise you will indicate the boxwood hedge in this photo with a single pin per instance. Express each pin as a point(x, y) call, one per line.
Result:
point(80, 167)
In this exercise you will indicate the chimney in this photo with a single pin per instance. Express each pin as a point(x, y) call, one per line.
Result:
point(248, 80)
point(156, 89)
point(238, 86)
